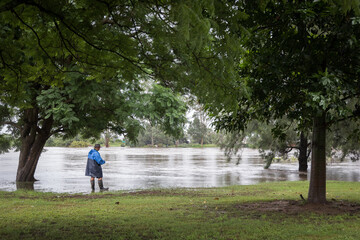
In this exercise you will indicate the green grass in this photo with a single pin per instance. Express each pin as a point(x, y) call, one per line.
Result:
point(214, 213)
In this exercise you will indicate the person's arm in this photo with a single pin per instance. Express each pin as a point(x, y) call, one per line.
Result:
point(98, 158)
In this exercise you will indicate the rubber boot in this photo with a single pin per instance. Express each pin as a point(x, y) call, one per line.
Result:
point(92, 182)
point(101, 186)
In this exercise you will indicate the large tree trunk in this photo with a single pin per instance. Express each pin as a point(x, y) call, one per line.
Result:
point(33, 139)
point(317, 189)
point(303, 157)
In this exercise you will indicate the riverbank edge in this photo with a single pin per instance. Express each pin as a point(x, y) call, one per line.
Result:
point(262, 211)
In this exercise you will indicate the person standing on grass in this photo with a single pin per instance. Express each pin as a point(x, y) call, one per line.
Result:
point(93, 168)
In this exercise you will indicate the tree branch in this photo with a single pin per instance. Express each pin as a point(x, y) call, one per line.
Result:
point(84, 38)
point(343, 119)
point(11, 5)
point(11, 124)
point(63, 39)
point(69, 46)
point(290, 149)
point(37, 37)
point(344, 99)
point(58, 130)
point(7, 65)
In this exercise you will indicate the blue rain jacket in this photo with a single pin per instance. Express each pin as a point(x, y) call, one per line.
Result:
point(95, 155)
point(93, 166)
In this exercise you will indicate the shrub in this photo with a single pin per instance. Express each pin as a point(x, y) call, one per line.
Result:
point(76, 144)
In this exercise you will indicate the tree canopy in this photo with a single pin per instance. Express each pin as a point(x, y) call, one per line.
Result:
point(301, 58)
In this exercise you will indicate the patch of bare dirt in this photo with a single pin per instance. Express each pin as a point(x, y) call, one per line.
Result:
point(297, 207)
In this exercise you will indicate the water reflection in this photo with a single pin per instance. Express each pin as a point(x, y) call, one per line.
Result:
point(62, 169)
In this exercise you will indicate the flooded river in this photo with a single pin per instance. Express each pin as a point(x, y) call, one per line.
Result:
point(62, 169)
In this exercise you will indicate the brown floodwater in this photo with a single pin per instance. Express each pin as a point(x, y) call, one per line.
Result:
point(63, 169)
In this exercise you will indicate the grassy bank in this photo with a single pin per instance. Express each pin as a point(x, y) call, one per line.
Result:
point(265, 211)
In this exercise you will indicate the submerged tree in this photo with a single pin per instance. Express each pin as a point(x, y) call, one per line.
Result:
point(271, 145)
point(271, 140)
point(343, 141)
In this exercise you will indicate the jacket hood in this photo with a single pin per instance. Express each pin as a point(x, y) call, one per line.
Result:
point(92, 150)
point(90, 154)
